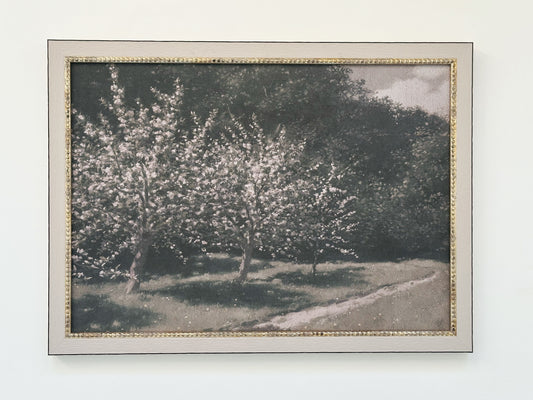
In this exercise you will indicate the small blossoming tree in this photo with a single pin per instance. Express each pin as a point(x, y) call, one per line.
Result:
point(325, 218)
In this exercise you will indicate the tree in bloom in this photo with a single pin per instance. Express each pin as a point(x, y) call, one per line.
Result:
point(243, 188)
point(324, 220)
point(128, 184)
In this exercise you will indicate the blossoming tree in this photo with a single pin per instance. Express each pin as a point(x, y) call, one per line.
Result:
point(128, 179)
point(325, 217)
point(244, 186)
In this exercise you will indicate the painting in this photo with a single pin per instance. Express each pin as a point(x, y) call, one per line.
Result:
point(249, 201)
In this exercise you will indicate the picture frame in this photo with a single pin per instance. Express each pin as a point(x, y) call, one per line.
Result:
point(279, 306)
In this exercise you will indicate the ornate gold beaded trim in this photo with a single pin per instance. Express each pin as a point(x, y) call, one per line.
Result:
point(453, 195)
point(452, 62)
point(256, 334)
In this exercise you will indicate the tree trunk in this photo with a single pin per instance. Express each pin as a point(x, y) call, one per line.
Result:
point(245, 262)
point(138, 264)
point(315, 258)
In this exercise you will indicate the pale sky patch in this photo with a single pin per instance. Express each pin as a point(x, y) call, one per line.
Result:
point(424, 86)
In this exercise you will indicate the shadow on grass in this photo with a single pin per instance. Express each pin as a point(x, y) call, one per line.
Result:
point(324, 279)
point(96, 313)
point(219, 265)
point(227, 293)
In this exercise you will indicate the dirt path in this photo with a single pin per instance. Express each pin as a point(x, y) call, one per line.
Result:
point(299, 319)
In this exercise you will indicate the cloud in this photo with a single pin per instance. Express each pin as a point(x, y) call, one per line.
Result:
point(431, 72)
point(424, 86)
point(427, 89)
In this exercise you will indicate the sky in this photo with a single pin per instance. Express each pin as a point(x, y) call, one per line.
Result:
point(425, 86)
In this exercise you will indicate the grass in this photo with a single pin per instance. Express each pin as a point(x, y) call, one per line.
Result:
point(205, 298)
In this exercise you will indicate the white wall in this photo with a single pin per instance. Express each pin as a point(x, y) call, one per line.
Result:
point(503, 277)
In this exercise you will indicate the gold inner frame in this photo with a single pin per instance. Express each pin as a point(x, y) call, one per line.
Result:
point(452, 62)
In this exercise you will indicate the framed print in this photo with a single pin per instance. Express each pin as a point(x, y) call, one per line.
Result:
point(259, 197)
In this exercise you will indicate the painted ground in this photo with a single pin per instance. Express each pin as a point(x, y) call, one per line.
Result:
point(408, 295)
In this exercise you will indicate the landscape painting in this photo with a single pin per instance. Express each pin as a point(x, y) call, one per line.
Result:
point(260, 198)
